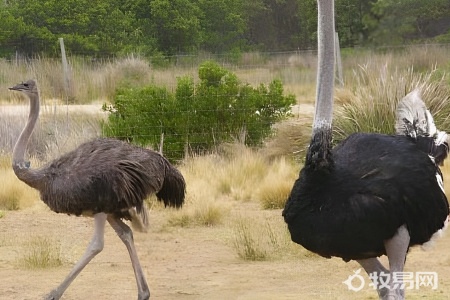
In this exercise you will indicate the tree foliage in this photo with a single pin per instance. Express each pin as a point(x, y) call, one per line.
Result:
point(394, 22)
point(171, 27)
point(197, 117)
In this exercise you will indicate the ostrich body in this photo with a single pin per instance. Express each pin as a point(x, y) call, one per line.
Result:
point(104, 178)
point(371, 195)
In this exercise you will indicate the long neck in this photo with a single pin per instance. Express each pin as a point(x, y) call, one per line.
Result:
point(22, 142)
point(325, 73)
point(19, 165)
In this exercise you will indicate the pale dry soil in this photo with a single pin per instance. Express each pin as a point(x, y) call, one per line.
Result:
point(184, 263)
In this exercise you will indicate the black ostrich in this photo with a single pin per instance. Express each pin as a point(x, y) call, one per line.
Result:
point(369, 196)
point(104, 178)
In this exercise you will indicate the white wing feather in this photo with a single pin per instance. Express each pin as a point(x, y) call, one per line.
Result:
point(413, 117)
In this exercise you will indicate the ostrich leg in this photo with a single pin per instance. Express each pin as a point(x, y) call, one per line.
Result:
point(374, 266)
point(94, 247)
point(396, 249)
point(126, 235)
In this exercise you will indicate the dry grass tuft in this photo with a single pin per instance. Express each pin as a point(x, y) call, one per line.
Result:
point(291, 138)
point(240, 171)
point(258, 236)
point(14, 194)
point(218, 182)
point(203, 205)
point(41, 252)
point(277, 185)
point(208, 213)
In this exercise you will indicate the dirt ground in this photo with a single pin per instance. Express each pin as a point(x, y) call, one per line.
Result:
point(184, 263)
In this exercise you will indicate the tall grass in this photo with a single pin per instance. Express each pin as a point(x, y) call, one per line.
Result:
point(57, 131)
point(370, 106)
point(277, 184)
point(219, 182)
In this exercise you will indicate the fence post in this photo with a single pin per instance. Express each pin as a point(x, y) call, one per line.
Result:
point(161, 143)
point(339, 72)
point(66, 74)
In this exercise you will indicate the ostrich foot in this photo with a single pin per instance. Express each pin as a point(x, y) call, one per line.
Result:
point(145, 295)
point(391, 294)
point(53, 295)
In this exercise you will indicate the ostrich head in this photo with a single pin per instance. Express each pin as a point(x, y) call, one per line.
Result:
point(28, 87)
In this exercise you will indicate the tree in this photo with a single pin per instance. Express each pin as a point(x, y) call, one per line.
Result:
point(274, 24)
point(175, 24)
point(397, 22)
point(223, 24)
point(88, 26)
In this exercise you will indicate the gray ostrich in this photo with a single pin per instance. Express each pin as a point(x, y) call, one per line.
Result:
point(370, 195)
point(104, 178)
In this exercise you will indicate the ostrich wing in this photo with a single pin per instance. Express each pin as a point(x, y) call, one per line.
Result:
point(103, 175)
point(391, 168)
point(413, 118)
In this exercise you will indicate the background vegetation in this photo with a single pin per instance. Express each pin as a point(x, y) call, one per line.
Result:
point(232, 183)
point(166, 27)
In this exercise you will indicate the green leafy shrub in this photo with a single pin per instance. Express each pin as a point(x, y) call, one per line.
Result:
point(140, 115)
point(199, 116)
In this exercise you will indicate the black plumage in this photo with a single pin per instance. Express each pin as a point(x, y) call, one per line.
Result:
point(349, 200)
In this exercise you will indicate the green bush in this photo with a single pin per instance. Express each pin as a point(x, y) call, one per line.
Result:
point(141, 115)
point(198, 116)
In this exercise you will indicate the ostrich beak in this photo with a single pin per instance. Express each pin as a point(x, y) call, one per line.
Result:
point(19, 87)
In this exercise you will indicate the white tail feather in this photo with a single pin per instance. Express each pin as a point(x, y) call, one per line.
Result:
point(438, 234)
point(139, 221)
point(413, 117)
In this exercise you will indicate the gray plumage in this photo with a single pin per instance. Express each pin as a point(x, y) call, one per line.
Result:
point(105, 175)
point(104, 178)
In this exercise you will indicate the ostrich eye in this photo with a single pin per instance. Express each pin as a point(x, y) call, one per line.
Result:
point(25, 84)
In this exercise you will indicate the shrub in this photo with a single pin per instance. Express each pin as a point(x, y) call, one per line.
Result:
point(140, 115)
point(199, 116)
